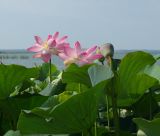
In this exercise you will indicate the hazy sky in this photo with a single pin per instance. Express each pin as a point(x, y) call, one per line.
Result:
point(128, 24)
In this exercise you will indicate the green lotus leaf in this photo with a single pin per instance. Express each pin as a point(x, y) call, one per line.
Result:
point(148, 128)
point(74, 115)
point(131, 82)
point(13, 75)
point(76, 74)
point(99, 73)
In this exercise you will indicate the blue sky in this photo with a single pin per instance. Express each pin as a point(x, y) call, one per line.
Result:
point(128, 24)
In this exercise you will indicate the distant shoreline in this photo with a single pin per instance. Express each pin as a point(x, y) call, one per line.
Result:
point(14, 51)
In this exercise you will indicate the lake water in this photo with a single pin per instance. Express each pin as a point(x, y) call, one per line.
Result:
point(23, 57)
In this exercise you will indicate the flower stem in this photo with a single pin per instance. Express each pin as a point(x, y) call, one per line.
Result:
point(108, 121)
point(95, 128)
point(150, 104)
point(115, 113)
point(114, 100)
point(79, 88)
point(50, 70)
point(82, 133)
point(107, 101)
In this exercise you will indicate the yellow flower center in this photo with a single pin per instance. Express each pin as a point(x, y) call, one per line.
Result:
point(45, 46)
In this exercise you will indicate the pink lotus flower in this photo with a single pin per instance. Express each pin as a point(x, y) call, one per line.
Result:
point(51, 46)
point(78, 56)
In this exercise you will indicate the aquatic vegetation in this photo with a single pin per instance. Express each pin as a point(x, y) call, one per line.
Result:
point(83, 99)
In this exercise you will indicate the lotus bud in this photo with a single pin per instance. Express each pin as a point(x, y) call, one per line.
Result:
point(99, 52)
point(107, 50)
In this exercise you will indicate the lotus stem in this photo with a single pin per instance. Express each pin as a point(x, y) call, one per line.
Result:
point(14, 125)
point(95, 128)
point(114, 100)
point(50, 70)
point(90, 132)
point(79, 87)
point(108, 121)
point(115, 113)
point(79, 90)
point(150, 104)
